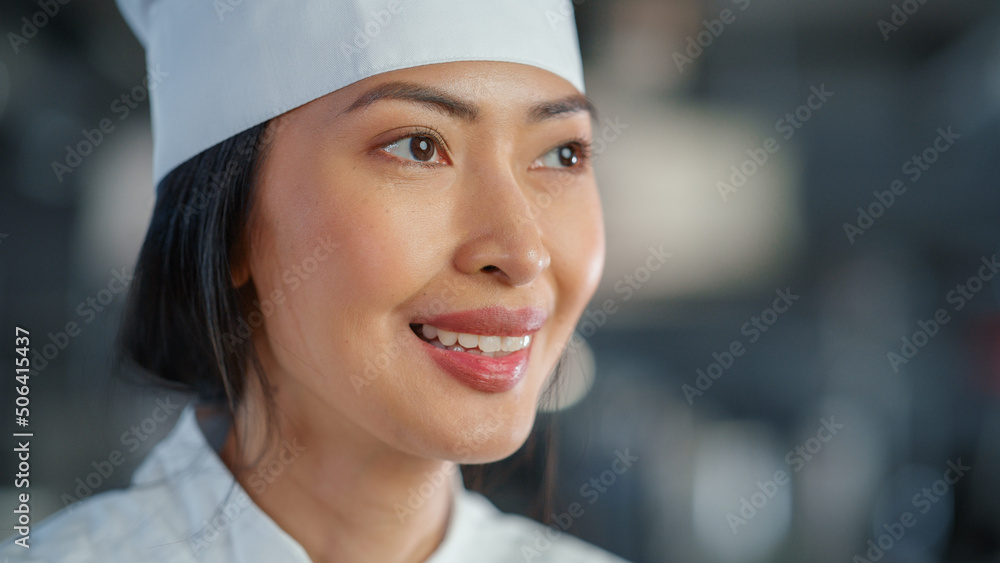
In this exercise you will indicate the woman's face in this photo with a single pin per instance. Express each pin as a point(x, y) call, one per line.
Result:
point(405, 208)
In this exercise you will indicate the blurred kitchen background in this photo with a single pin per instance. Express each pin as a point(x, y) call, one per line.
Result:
point(767, 368)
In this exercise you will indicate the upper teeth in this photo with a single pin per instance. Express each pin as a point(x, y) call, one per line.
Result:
point(484, 343)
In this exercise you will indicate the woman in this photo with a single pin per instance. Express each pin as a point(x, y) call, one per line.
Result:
point(376, 228)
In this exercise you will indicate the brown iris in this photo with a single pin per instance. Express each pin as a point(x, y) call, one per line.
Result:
point(568, 155)
point(422, 148)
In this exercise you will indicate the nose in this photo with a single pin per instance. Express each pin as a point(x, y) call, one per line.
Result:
point(504, 239)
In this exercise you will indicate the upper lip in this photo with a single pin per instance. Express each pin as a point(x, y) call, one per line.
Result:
point(490, 321)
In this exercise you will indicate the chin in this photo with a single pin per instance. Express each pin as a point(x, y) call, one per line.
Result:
point(501, 446)
point(471, 432)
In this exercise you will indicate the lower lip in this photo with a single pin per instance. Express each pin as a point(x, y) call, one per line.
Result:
point(482, 373)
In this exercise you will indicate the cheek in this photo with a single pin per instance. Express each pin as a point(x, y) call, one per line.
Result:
point(573, 232)
point(344, 264)
point(575, 236)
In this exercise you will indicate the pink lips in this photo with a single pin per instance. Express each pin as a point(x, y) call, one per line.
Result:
point(483, 373)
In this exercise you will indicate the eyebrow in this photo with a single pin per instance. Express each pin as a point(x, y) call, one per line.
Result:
point(577, 103)
point(420, 94)
point(467, 111)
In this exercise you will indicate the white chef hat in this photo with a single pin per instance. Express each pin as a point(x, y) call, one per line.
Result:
point(219, 67)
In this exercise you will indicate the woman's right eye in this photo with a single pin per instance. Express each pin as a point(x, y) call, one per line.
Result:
point(420, 149)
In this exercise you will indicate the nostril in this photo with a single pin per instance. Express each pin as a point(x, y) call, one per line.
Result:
point(490, 268)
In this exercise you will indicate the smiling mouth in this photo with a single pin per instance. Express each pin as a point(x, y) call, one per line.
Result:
point(492, 346)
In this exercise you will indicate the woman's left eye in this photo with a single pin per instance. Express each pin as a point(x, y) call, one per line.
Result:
point(421, 149)
point(570, 155)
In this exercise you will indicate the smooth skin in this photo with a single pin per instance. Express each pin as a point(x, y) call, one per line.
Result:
point(503, 210)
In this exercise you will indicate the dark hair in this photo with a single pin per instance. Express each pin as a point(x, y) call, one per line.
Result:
point(185, 322)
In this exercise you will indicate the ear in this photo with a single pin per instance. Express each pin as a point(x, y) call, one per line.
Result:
point(240, 274)
point(239, 268)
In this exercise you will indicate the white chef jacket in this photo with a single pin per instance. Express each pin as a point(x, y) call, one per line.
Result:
point(184, 505)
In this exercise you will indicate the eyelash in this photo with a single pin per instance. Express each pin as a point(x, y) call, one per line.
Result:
point(440, 146)
point(585, 148)
point(586, 153)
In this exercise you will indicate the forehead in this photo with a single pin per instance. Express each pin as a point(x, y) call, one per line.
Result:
point(474, 89)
